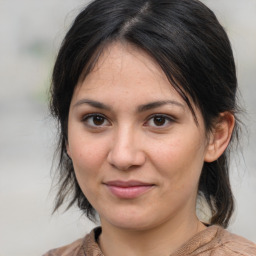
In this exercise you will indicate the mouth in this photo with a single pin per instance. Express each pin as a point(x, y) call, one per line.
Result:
point(128, 189)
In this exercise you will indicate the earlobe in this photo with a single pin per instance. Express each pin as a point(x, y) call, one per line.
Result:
point(220, 136)
point(67, 150)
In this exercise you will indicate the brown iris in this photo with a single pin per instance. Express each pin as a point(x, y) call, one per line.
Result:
point(159, 120)
point(98, 120)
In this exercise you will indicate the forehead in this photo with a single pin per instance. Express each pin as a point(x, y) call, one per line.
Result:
point(125, 67)
point(126, 77)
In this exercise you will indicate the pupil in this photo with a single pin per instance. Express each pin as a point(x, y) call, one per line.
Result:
point(98, 120)
point(159, 120)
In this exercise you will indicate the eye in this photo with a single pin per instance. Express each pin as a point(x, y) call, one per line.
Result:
point(159, 121)
point(95, 120)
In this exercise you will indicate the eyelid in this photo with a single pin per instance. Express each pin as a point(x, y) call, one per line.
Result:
point(169, 118)
point(86, 117)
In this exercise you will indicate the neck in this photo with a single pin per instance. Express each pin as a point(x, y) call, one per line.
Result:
point(161, 240)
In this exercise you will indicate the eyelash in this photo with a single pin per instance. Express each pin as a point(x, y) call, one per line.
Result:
point(87, 118)
point(167, 120)
point(90, 117)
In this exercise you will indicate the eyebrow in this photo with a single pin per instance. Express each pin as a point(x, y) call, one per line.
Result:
point(157, 104)
point(141, 108)
point(93, 103)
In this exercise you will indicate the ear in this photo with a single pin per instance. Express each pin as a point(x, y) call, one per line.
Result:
point(220, 136)
point(67, 149)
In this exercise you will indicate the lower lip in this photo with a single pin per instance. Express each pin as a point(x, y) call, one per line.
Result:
point(129, 192)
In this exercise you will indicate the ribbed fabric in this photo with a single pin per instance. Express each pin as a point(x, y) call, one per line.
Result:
point(213, 241)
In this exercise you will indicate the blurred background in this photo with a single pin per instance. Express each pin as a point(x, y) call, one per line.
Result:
point(30, 34)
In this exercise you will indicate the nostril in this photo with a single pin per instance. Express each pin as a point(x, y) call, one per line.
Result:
point(124, 159)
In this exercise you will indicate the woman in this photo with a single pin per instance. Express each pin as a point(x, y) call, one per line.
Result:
point(145, 94)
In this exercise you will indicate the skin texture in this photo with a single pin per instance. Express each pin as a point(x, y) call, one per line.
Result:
point(115, 133)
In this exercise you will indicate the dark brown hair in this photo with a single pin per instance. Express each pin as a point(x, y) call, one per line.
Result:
point(192, 48)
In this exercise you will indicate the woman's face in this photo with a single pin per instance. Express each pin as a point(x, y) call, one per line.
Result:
point(136, 149)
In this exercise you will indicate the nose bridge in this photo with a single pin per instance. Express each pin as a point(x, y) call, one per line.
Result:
point(126, 150)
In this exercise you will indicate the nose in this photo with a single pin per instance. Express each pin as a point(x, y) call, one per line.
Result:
point(126, 150)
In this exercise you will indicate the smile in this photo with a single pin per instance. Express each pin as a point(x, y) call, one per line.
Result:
point(128, 189)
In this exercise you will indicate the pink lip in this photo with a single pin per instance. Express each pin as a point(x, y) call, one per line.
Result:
point(128, 189)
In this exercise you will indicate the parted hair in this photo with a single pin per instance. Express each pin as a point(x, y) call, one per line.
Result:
point(192, 48)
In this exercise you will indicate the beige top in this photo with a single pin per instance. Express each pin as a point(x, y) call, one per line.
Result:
point(213, 241)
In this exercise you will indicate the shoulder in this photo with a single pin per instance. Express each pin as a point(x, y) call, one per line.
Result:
point(216, 241)
point(233, 244)
point(67, 250)
point(85, 246)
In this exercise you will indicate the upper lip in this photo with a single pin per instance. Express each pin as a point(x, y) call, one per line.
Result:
point(129, 183)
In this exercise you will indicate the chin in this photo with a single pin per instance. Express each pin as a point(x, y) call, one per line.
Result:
point(134, 225)
point(131, 221)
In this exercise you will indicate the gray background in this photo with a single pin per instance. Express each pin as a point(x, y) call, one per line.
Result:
point(30, 34)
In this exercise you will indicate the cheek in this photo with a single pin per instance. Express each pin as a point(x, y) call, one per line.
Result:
point(180, 160)
point(88, 158)
point(87, 155)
